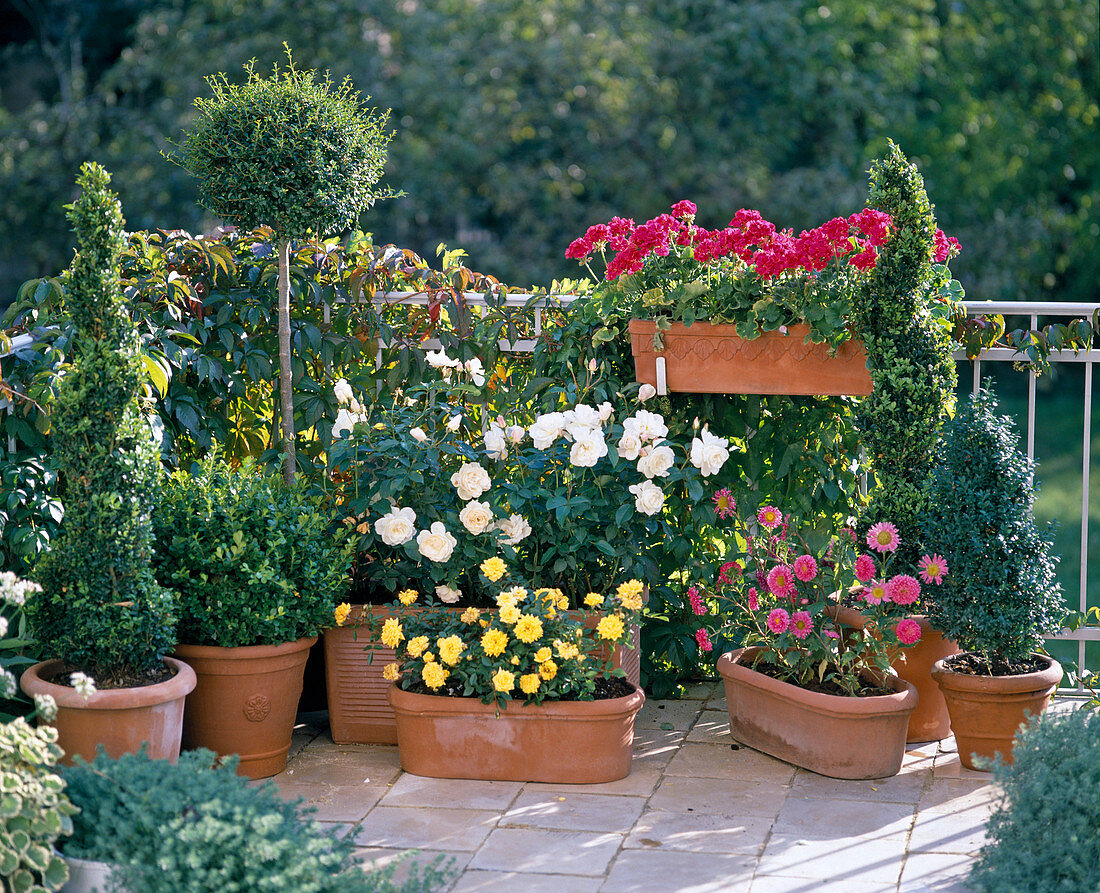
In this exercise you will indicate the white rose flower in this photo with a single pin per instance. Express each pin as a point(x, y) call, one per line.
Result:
point(440, 360)
point(547, 429)
point(605, 411)
point(471, 480)
point(476, 517)
point(496, 445)
point(709, 453)
point(343, 423)
point(448, 594)
point(475, 370)
point(649, 499)
point(397, 526)
point(657, 462)
point(436, 544)
point(580, 420)
point(418, 434)
point(649, 425)
point(630, 446)
point(452, 424)
point(515, 529)
point(516, 433)
point(343, 391)
point(645, 392)
point(587, 449)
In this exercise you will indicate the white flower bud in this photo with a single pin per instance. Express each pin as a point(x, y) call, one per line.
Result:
point(645, 392)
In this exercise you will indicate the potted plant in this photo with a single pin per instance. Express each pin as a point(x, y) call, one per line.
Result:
point(1003, 595)
point(803, 688)
point(513, 693)
point(198, 826)
point(256, 565)
point(101, 617)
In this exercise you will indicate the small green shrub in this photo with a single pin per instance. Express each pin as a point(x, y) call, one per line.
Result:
point(34, 809)
point(198, 827)
point(255, 562)
point(1044, 836)
point(29, 512)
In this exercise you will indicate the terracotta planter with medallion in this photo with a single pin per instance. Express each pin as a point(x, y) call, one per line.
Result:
point(711, 358)
point(245, 702)
point(833, 735)
point(564, 742)
point(120, 719)
point(987, 711)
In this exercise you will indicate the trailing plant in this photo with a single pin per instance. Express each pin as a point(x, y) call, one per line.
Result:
point(35, 811)
point(1003, 595)
point(101, 610)
point(255, 562)
point(293, 153)
point(197, 826)
point(1042, 836)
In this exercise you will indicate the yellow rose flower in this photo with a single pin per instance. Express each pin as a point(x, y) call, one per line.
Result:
point(494, 568)
point(504, 600)
point(609, 627)
point(483, 623)
point(528, 629)
point(470, 615)
point(407, 596)
point(543, 654)
point(433, 675)
point(391, 632)
point(630, 594)
point(428, 657)
point(593, 599)
point(503, 680)
point(548, 670)
point(390, 672)
point(515, 594)
point(494, 642)
point(416, 646)
point(529, 683)
point(515, 660)
point(342, 611)
point(563, 603)
point(450, 649)
point(509, 614)
point(566, 650)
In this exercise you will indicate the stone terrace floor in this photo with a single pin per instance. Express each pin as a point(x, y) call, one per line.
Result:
point(693, 815)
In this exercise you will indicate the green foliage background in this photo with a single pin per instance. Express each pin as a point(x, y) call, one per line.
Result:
point(518, 124)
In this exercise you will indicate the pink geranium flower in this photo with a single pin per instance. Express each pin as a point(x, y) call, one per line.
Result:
point(769, 516)
point(805, 568)
point(865, 568)
point(903, 589)
point(781, 581)
point(778, 621)
point(703, 640)
point(932, 569)
point(874, 593)
point(908, 631)
point(802, 624)
point(883, 537)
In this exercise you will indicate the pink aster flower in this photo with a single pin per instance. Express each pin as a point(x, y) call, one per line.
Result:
point(932, 569)
point(883, 537)
point(908, 631)
point(832, 634)
point(778, 621)
point(769, 516)
point(754, 602)
point(723, 503)
point(781, 581)
point(703, 640)
point(874, 593)
point(865, 568)
point(802, 624)
point(805, 568)
point(696, 601)
point(903, 589)
point(724, 572)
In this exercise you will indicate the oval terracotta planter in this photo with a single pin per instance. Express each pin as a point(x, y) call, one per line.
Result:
point(711, 358)
point(987, 711)
point(832, 735)
point(120, 719)
point(571, 742)
point(245, 702)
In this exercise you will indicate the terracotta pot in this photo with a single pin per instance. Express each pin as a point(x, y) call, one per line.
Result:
point(628, 659)
point(245, 702)
point(987, 711)
point(570, 742)
point(709, 358)
point(930, 721)
point(120, 719)
point(832, 735)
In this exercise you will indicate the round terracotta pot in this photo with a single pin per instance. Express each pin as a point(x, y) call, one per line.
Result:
point(120, 719)
point(987, 711)
point(832, 735)
point(245, 702)
point(571, 742)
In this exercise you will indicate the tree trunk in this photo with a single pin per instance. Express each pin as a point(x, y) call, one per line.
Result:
point(286, 392)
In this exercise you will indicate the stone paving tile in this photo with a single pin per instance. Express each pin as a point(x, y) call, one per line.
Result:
point(405, 860)
point(478, 881)
point(640, 782)
point(459, 830)
point(646, 871)
point(843, 819)
point(677, 715)
point(698, 832)
point(868, 860)
point(570, 811)
point(721, 796)
point(948, 765)
point(712, 727)
point(417, 790)
point(343, 803)
point(949, 832)
point(653, 748)
point(542, 851)
point(720, 761)
point(779, 884)
point(902, 788)
point(701, 691)
point(343, 767)
point(956, 795)
point(935, 873)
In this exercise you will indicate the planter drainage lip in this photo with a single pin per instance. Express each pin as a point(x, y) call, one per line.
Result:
point(1024, 682)
point(416, 704)
point(183, 683)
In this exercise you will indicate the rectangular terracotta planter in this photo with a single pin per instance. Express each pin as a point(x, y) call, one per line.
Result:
point(710, 358)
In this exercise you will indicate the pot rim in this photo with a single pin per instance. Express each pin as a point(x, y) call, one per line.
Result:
point(179, 686)
point(243, 652)
point(410, 702)
point(1033, 681)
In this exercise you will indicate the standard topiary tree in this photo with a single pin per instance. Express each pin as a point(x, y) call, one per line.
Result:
point(101, 610)
point(295, 154)
point(1001, 595)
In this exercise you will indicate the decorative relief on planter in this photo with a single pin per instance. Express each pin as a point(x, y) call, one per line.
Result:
point(257, 708)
